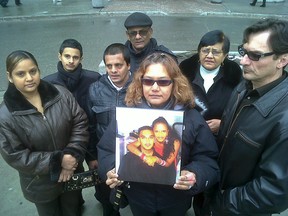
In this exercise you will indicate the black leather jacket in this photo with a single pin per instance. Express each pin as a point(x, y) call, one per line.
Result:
point(253, 157)
point(33, 143)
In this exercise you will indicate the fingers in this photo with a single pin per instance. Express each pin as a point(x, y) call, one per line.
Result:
point(111, 174)
point(112, 179)
point(65, 175)
point(189, 176)
point(114, 183)
point(183, 185)
point(185, 181)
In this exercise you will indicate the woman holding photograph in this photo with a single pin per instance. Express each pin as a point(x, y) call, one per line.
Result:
point(159, 84)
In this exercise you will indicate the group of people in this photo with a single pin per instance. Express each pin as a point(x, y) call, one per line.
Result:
point(235, 126)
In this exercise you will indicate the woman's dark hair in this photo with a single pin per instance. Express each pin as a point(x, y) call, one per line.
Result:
point(172, 136)
point(213, 37)
point(17, 56)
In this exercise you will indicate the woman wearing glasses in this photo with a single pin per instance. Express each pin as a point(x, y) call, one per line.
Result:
point(159, 84)
point(213, 77)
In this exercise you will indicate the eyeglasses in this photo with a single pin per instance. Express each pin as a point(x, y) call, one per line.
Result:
point(150, 82)
point(252, 55)
point(142, 33)
point(214, 52)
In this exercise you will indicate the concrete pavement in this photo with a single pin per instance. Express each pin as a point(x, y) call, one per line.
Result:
point(46, 8)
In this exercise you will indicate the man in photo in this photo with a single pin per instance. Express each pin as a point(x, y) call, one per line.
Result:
point(132, 167)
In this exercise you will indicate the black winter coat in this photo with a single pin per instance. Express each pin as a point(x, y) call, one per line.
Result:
point(78, 84)
point(33, 143)
point(199, 153)
point(137, 57)
point(253, 158)
point(212, 104)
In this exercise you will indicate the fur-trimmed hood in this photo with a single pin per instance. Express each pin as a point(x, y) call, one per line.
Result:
point(211, 104)
point(15, 101)
point(230, 70)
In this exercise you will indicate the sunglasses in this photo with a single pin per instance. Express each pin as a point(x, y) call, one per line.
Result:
point(252, 55)
point(150, 82)
point(142, 33)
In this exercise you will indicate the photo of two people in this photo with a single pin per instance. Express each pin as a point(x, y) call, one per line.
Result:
point(148, 145)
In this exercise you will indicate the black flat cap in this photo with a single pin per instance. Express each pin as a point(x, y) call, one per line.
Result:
point(138, 19)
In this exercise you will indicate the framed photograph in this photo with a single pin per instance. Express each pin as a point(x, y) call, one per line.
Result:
point(148, 145)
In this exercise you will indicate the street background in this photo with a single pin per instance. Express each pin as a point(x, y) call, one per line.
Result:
point(39, 26)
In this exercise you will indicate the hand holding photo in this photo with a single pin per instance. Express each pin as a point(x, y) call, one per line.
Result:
point(148, 145)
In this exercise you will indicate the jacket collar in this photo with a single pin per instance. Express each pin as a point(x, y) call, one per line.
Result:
point(146, 50)
point(104, 79)
point(270, 100)
point(15, 101)
point(227, 71)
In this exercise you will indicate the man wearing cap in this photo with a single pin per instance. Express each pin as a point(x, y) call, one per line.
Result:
point(140, 42)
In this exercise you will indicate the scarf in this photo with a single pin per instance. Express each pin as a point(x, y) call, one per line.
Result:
point(71, 79)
